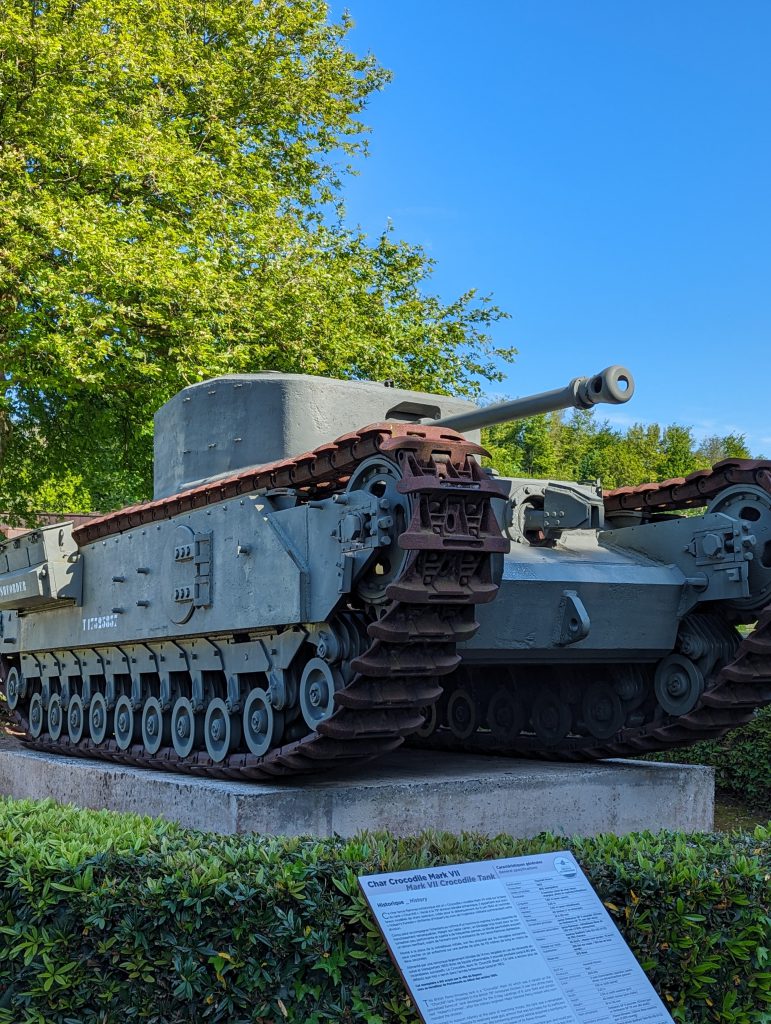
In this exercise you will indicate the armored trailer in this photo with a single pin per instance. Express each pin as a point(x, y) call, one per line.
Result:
point(270, 613)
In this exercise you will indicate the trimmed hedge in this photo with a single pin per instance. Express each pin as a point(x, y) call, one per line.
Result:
point(114, 918)
point(742, 761)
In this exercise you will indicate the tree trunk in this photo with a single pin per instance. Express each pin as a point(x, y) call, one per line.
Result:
point(5, 437)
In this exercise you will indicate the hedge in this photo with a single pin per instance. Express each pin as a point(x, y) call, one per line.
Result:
point(114, 918)
point(742, 761)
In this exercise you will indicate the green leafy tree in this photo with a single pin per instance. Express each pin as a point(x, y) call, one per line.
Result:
point(677, 451)
point(579, 447)
point(714, 449)
point(170, 209)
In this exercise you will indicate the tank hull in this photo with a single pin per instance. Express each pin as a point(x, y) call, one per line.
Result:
point(314, 611)
point(211, 645)
point(524, 622)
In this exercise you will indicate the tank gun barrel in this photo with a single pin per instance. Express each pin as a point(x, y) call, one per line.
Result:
point(614, 385)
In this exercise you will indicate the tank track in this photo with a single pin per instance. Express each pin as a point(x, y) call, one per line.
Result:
point(741, 683)
point(451, 538)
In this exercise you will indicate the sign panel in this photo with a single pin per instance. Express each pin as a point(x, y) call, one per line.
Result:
point(523, 940)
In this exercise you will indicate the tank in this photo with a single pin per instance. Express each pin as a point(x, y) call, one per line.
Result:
point(270, 613)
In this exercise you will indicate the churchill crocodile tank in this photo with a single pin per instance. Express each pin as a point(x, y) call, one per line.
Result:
point(271, 614)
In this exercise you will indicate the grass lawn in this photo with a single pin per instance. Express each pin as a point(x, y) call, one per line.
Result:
point(732, 814)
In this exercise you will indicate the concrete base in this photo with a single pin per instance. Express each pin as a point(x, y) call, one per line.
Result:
point(404, 793)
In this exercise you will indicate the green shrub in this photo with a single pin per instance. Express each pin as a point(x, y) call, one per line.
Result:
point(742, 761)
point(112, 918)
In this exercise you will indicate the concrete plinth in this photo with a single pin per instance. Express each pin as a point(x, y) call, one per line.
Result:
point(404, 793)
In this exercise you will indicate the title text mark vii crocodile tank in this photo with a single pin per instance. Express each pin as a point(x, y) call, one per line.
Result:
point(269, 614)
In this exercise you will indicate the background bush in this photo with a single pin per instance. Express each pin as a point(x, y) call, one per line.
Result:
point(113, 918)
point(742, 761)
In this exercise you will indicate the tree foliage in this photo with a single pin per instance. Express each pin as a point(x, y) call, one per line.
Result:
point(170, 209)
point(581, 447)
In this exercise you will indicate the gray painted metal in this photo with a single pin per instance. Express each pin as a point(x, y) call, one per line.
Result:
point(40, 568)
point(263, 562)
point(239, 586)
point(271, 567)
point(266, 566)
point(613, 385)
point(230, 423)
point(614, 587)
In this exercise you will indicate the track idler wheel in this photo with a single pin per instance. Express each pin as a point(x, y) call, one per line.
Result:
point(551, 717)
point(678, 684)
point(156, 727)
point(462, 715)
point(99, 718)
point(505, 715)
point(318, 686)
point(126, 724)
point(602, 710)
point(262, 726)
point(186, 727)
point(15, 688)
point(221, 730)
point(36, 715)
point(55, 716)
point(76, 718)
point(430, 722)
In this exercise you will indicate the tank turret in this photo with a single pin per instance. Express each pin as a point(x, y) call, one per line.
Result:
point(226, 424)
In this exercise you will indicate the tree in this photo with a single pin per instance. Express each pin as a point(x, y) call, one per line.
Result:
point(714, 449)
point(170, 209)
point(581, 448)
point(677, 450)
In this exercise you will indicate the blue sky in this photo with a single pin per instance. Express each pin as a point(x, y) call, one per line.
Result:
point(604, 170)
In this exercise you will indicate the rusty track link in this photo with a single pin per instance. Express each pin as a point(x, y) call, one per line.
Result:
point(450, 537)
point(731, 696)
point(691, 491)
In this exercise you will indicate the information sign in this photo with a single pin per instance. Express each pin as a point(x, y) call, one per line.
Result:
point(524, 940)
